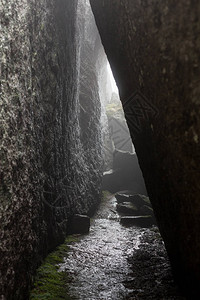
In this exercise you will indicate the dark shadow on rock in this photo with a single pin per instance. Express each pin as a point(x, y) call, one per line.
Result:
point(127, 208)
point(141, 221)
point(151, 271)
point(79, 224)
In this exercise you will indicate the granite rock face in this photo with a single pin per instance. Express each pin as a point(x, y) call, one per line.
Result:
point(50, 134)
point(153, 48)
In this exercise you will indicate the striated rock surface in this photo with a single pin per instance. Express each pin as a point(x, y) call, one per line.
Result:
point(50, 132)
point(153, 49)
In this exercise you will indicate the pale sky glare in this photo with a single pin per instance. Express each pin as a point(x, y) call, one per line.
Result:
point(112, 80)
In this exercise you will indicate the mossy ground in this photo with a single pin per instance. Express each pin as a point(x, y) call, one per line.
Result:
point(105, 195)
point(49, 283)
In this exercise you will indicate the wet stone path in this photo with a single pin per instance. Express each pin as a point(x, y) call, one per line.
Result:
point(101, 264)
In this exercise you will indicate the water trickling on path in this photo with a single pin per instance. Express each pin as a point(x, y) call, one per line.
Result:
point(98, 263)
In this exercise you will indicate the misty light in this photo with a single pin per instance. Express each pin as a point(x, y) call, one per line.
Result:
point(112, 80)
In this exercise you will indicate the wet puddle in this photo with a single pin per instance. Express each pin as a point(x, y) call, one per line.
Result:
point(98, 263)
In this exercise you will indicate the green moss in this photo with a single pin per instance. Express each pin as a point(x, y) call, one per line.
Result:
point(113, 109)
point(49, 283)
point(105, 195)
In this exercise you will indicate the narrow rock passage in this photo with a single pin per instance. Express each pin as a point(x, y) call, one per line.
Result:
point(100, 264)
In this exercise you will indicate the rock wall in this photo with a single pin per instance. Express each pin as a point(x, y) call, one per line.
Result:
point(50, 134)
point(153, 48)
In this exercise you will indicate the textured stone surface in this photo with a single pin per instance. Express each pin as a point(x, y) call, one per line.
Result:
point(50, 134)
point(153, 48)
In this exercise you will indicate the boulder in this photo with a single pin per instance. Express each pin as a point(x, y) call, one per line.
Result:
point(136, 199)
point(127, 208)
point(139, 200)
point(142, 221)
point(146, 211)
point(122, 197)
point(126, 192)
point(79, 224)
